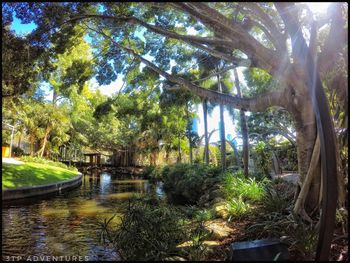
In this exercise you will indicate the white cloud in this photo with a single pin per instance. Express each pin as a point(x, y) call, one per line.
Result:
point(107, 90)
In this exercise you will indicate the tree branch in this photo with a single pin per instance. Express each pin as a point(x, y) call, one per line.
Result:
point(261, 56)
point(336, 38)
point(252, 104)
point(257, 11)
point(195, 41)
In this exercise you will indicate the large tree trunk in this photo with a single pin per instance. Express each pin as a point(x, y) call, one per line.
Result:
point(244, 128)
point(206, 140)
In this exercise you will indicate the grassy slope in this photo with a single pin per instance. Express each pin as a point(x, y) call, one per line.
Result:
point(32, 174)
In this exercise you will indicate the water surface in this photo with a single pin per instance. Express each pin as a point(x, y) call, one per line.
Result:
point(66, 225)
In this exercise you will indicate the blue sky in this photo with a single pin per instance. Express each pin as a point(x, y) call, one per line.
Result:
point(22, 29)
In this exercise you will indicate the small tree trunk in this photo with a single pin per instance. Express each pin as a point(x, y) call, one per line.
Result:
point(189, 134)
point(222, 138)
point(19, 140)
point(222, 131)
point(206, 140)
point(245, 143)
point(191, 150)
point(42, 150)
point(166, 156)
point(244, 127)
point(179, 150)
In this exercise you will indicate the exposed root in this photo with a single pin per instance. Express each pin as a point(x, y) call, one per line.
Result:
point(300, 202)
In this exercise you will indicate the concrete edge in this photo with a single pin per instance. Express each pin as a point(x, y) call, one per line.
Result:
point(32, 191)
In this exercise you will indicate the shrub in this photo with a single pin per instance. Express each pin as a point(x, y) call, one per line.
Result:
point(152, 230)
point(185, 183)
point(152, 172)
point(147, 171)
point(278, 197)
point(149, 230)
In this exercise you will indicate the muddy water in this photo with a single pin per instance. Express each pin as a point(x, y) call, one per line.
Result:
point(64, 227)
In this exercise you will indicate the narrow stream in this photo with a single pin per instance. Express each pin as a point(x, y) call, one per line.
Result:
point(66, 225)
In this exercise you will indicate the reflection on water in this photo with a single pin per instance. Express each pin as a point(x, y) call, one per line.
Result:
point(65, 225)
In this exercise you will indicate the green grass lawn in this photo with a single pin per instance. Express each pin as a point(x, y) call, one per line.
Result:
point(32, 174)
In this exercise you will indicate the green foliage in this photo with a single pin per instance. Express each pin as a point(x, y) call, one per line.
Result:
point(238, 186)
point(262, 157)
point(287, 155)
point(198, 234)
point(152, 172)
point(153, 230)
point(149, 230)
point(185, 183)
point(278, 197)
point(237, 208)
point(204, 214)
point(47, 162)
point(300, 236)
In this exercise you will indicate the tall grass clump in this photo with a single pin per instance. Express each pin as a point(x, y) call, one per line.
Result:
point(237, 186)
point(237, 208)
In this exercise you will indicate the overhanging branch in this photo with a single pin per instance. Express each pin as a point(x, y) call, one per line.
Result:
point(248, 104)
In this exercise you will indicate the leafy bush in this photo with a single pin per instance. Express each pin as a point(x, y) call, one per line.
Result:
point(46, 161)
point(185, 183)
point(262, 157)
point(198, 234)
